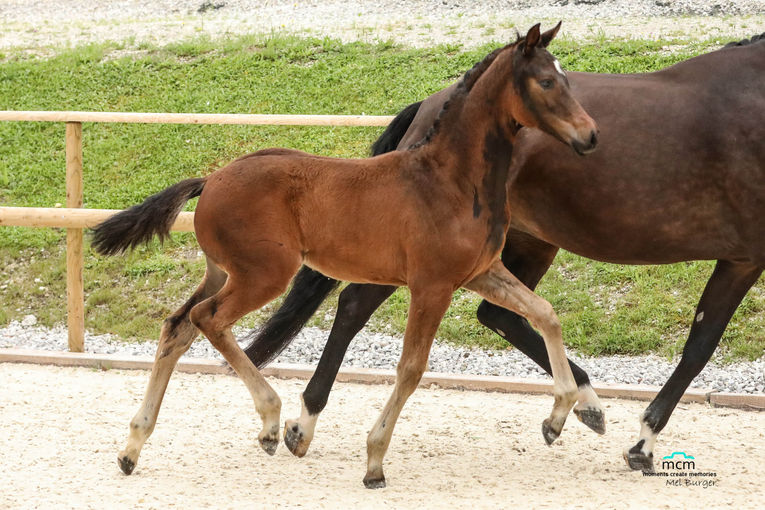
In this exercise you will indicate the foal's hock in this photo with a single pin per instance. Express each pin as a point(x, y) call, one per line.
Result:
point(433, 218)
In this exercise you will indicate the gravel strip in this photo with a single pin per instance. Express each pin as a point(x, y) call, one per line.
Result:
point(56, 24)
point(375, 350)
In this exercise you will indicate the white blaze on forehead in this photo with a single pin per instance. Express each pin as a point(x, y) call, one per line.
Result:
point(558, 67)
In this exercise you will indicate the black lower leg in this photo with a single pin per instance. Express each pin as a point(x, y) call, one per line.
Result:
point(354, 308)
point(517, 330)
point(726, 288)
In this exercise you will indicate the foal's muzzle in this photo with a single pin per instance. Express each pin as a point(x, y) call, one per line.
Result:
point(586, 146)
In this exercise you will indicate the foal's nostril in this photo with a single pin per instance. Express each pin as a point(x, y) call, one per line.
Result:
point(593, 140)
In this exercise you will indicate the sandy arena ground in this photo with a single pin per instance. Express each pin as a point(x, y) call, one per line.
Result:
point(62, 428)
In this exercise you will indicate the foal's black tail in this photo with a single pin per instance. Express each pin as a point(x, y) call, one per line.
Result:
point(137, 225)
point(310, 288)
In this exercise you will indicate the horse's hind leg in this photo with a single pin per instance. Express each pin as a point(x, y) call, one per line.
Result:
point(176, 337)
point(426, 309)
point(500, 287)
point(724, 291)
point(243, 293)
point(355, 305)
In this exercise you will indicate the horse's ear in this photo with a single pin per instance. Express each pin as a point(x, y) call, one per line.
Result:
point(532, 39)
point(548, 36)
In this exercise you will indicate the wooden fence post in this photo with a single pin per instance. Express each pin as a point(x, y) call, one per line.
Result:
point(75, 296)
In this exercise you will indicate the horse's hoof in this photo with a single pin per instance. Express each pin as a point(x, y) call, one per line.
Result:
point(638, 461)
point(593, 418)
point(126, 464)
point(374, 483)
point(269, 445)
point(294, 439)
point(549, 434)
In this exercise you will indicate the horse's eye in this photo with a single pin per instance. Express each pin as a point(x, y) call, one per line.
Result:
point(546, 84)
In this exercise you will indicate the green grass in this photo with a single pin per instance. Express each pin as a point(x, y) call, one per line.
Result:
point(604, 308)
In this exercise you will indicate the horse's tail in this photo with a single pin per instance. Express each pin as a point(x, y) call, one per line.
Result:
point(310, 287)
point(137, 225)
point(388, 141)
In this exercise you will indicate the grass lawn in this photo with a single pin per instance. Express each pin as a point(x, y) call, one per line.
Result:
point(604, 308)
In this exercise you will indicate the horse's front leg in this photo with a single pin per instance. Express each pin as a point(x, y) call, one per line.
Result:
point(426, 309)
point(725, 289)
point(497, 285)
point(354, 307)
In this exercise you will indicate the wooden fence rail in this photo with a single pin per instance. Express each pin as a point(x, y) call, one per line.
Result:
point(74, 218)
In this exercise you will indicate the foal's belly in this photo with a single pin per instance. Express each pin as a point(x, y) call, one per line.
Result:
point(359, 267)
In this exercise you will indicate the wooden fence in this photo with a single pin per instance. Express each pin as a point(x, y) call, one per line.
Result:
point(75, 219)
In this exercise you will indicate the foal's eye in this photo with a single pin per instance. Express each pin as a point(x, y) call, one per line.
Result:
point(546, 84)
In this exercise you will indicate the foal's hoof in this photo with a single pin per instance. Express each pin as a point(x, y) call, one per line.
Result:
point(548, 432)
point(126, 464)
point(593, 418)
point(638, 461)
point(374, 483)
point(269, 445)
point(295, 439)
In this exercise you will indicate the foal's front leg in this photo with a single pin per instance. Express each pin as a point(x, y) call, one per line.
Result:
point(499, 286)
point(426, 309)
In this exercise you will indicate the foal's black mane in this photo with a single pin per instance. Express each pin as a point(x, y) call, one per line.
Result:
point(746, 42)
point(464, 86)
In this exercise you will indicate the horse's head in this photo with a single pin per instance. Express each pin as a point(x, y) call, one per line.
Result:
point(542, 96)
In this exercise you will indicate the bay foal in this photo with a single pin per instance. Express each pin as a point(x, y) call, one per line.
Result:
point(433, 218)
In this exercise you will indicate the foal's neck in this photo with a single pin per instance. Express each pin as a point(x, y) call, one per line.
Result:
point(474, 138)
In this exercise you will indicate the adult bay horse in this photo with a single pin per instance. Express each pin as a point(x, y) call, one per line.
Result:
point(680, 176)
point(433, 218)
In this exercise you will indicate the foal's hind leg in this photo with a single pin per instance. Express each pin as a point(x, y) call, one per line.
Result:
point(176, 337)
point(426, 309)
point(243, 293)
point(500, 287)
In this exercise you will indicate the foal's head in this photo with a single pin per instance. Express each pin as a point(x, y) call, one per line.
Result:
point(542, 96)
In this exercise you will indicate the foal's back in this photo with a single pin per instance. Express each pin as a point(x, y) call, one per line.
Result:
point(351, 218)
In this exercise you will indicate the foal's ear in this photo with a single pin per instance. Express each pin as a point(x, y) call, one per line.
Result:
point(549, 36)
point(532, 39)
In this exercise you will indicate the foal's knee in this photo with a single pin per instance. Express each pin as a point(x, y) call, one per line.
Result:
point(545, 318)
point(408, 377)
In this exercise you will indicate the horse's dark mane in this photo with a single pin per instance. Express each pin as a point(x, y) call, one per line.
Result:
point(464, 86)
point(471, 77)
point(746, 42)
